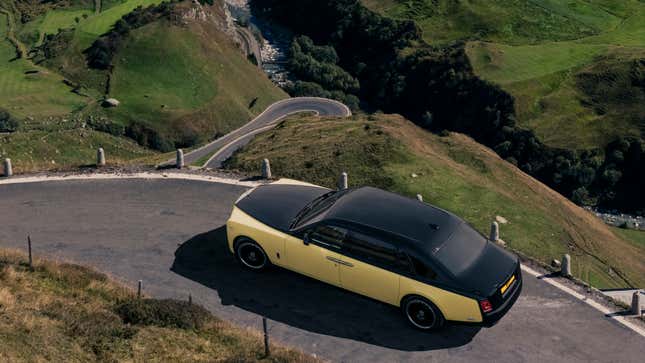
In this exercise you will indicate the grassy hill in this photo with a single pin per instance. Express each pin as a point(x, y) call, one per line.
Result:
point(180, 79)
point(64, 312)
point(551, 56)
point(455, 173)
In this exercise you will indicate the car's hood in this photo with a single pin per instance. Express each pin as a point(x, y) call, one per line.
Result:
point(490, 270)
point(276, 205)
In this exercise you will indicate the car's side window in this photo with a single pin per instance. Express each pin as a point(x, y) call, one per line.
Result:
point(328, 236)
point(372, 250)
point(422, 270)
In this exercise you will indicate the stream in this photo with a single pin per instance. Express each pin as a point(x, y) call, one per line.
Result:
point(275, 43)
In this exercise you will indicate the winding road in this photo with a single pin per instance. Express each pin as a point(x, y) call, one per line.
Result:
point(222, 148)
point(167, 230)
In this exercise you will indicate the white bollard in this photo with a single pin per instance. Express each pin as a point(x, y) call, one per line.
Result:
point(566, 266)
point(8, 170)
point(266, 169)
point(420, 197)
point(180, 158)
point(342, 181)
point(100, 157)
point(636, 303)
point(494, 231)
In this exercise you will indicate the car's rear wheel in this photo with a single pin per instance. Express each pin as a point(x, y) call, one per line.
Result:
point(422, 313)
point(251, 255)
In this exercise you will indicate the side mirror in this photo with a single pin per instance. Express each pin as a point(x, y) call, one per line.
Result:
point(305, 238)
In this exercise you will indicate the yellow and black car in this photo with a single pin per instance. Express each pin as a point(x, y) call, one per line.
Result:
point(394, 249)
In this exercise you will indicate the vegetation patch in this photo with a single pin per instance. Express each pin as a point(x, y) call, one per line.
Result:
point(64, 312)
point(165, 313)
point(455, 173)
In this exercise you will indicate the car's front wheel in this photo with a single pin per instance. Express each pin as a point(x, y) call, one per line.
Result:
point(422, 313)
point(251, 255)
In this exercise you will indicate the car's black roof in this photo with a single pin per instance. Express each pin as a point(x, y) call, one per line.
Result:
point(395, 214)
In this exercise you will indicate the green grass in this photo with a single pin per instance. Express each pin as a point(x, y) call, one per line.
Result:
point(31, 95)
point(209, 88)
point(102, 22)
point(159, 67)
point(536, 49)
point(454, 173)
point(51, 22)
point(636, 236)
point(504, 21)
point(172, 78)
point(43, 150)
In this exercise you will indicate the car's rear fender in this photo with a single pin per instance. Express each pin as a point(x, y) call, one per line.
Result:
point(453, 306)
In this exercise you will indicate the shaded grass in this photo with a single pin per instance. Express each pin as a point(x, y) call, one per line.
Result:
point(454, 173)
point(65, 312)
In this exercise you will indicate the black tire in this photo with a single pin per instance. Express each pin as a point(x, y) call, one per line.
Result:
point(422, 313)
point(251, 255)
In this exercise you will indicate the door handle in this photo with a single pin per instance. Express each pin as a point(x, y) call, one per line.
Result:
point(344, 263)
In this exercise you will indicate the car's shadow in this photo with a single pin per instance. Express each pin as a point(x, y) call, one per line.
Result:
point(299, 301)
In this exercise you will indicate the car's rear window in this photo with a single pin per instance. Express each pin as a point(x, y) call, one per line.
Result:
point(461, 250)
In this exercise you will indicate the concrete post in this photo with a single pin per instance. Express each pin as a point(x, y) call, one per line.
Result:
point(494, 231)
point(8, 170)
point(636, 303)
point(100, 157)
point(420, 197)
point(266, 169)
point(342, 181)
point(566, 266)
point(180, 158)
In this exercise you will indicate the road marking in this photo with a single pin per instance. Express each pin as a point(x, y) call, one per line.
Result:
point(168, 175)
point(603, 309)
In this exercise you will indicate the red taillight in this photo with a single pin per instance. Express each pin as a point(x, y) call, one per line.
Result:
point(486, 306)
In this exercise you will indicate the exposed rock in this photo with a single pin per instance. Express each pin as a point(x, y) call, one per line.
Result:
point(111, 102)
point(501, 219)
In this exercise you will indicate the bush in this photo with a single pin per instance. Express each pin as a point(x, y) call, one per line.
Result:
point(7, 122)
point(164, 313)
point(148, 137)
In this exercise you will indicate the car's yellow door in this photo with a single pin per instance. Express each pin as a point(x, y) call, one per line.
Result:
point(365, 258)
point(368, 280)
point(312, 260)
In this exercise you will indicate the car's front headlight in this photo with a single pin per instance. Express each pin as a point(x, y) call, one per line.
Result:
point(245, 194)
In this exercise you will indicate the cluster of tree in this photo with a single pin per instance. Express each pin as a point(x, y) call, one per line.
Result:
point(100, 54)
point(147, 136)
point(318, 73)
point(7, 122)
point(437, 88)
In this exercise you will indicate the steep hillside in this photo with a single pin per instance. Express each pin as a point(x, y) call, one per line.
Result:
point(60, 312)
point(540, 50)
point(180, 79)
point(457, 174)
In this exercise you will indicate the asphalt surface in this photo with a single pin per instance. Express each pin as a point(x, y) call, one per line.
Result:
point(226, 145)
point(169, 234)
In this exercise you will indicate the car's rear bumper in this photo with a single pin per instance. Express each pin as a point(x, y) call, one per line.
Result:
point(494, 316)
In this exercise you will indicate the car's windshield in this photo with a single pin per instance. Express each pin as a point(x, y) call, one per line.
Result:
point(316, 207)
point(461, 250)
